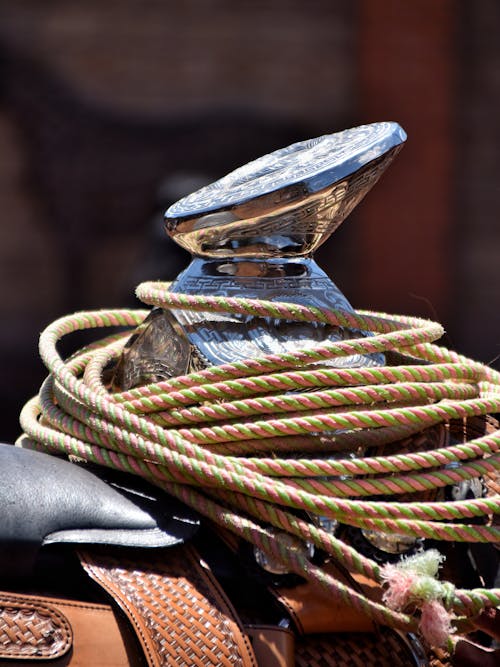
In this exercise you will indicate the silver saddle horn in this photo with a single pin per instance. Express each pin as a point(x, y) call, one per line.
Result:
point(252, 234)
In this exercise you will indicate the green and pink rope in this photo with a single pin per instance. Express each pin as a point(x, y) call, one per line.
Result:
point(261, 444)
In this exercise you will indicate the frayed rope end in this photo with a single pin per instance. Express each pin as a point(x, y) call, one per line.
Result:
point(412, 581)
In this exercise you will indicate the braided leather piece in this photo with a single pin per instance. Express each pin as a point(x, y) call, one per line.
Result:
point(32, 629)
point(180, 614)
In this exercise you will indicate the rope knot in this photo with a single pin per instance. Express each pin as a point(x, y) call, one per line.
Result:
point(413, 581)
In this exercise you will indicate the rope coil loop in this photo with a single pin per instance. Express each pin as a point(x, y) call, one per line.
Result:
point(267, 443)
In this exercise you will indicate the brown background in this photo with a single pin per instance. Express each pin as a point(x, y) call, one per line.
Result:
point(110, 110)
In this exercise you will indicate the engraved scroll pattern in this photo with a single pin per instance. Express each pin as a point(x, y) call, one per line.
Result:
point(288, 165)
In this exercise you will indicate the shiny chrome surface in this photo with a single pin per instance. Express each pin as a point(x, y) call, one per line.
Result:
point(157, 350)
point(222, 338)
point(287, 203)
point(390, 543)
point(253, 232)
point(416, 650)
point(274, 566)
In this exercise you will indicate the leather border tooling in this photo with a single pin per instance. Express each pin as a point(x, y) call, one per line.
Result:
point(179, 613)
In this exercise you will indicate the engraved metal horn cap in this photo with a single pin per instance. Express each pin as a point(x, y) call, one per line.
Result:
point(286, 203)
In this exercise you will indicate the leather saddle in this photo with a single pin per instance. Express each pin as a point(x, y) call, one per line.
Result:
point(98, 567)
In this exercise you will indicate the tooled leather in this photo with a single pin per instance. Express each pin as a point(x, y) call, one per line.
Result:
point(32, 628)
point(180, 614)
point(353, 650)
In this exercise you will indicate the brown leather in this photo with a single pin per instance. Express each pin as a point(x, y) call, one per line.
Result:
point(273, 646)
point(182, 619)
point(97, 635)
point(315, 611)
point(177, 608)
point(32, 628)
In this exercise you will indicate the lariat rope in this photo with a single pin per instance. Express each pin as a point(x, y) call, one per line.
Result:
point(259, 446)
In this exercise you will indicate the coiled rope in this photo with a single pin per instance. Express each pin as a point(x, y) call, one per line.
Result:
point(259, 445)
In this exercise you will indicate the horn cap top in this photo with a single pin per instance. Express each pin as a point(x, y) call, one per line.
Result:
point(286, 203)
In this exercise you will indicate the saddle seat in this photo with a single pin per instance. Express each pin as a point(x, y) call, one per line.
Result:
point(48, 500)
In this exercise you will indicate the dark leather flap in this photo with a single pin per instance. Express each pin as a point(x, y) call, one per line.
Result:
point(47, 500)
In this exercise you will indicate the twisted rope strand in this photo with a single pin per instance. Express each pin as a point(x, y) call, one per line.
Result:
point(201, 436)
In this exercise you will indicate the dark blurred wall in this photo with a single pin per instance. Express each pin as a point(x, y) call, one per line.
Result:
point(108, 110)
point(429, 238)
point(407, 71)
point(476, 271)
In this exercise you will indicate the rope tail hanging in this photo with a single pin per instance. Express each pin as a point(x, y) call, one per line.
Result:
point(215, 438)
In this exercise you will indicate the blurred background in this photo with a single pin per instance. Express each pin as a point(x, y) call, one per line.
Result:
point(110, 111)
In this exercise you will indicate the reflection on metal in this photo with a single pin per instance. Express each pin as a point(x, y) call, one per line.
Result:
point(224, 338)
point(327, 524)
point(253, 232)
point(390, 543)
point(158, 349)
point(294, 544)
point(287, 203)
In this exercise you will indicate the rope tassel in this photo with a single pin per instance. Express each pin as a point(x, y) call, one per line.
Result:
point(413, 581)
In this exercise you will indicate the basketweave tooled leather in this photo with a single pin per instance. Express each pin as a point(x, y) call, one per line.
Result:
point(180, 614)
point(32, 628)
point(354, 649)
